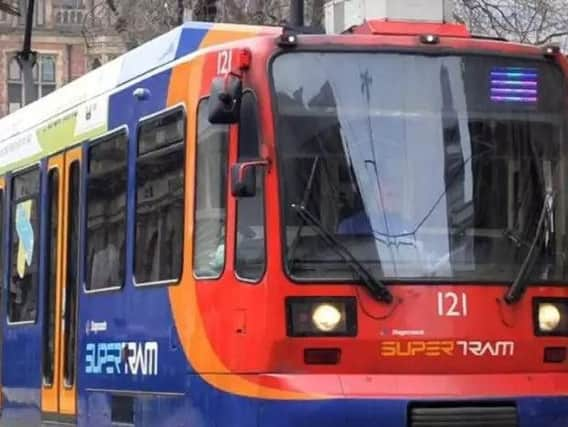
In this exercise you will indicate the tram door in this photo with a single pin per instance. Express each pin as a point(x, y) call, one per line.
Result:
point(2, 305)
point(61, 287)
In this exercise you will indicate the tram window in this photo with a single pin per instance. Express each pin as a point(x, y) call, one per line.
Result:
point(160, 198)
point(106, 212)
point(250, 256)
point(211, 196)
point(72, 282)
point(22, 299)
point(50, 278)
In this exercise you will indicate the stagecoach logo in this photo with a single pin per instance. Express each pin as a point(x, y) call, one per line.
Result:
point(122, 358)
point(95, 327)
point(447, 348)
point(402, 332)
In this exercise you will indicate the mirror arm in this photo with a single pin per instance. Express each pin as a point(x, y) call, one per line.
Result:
point(224, 97)
point(264, 163)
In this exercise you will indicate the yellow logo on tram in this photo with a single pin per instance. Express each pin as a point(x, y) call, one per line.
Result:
point(447, 348)
point(417, 348)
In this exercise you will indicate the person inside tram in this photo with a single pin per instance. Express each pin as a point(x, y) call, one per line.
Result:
point(106, 263)
point(389, 222)
point(401, 250)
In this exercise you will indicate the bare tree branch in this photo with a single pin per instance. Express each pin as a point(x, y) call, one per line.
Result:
point(136, 21)
point(205, 10)
point(527, 21)
point(551, 37)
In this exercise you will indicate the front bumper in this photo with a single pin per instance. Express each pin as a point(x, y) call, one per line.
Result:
point(531, 412)
point(539, 400)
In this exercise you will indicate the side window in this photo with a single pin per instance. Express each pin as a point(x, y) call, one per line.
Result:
point(210, 196)
point(50, 279)
point(160, 178)
point(250, 256)
point(106, 212)
point(24, 226)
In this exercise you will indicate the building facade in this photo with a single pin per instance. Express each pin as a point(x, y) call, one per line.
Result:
point(59, 38)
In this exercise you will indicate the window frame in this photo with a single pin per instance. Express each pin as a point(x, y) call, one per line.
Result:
point(38, 80)
point(205, 100)
point(13, 176)
point(70, 302)
point(179, 107)
point(265, 218)
point(40, 9)
point(49, 273)
point(4, 229)
point(83, 220)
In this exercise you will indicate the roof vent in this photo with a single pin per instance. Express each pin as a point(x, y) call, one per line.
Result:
point(341, 15)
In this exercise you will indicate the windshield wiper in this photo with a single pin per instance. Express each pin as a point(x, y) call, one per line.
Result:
point(377, 288)
point(307, 193)
point(519, 285)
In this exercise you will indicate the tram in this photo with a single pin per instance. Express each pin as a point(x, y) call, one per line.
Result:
point(254, 226)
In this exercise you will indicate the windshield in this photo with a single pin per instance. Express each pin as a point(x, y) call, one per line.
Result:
point(423, 167)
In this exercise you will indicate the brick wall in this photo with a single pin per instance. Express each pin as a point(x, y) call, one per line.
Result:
point(66, 50)
point(78, 61)
point(66, 44)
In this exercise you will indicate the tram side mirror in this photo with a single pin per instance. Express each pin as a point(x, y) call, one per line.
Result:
point(225, 99)
point(243, 178)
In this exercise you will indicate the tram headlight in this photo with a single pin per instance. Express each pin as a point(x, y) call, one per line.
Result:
point(551, 317)
point(326, 317)
point(320, 316)
point(548, 317)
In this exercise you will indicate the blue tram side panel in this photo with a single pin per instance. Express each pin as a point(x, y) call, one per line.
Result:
point(137, 320)
point(127, 340)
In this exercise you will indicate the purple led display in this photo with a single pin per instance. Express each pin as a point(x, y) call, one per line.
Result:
point(514, 84)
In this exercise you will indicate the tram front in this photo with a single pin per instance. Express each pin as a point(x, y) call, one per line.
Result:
point(423, 199)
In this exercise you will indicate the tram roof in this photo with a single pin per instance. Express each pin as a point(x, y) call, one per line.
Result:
point(99, 84)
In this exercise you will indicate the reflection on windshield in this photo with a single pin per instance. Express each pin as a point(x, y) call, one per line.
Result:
point(423, 167)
